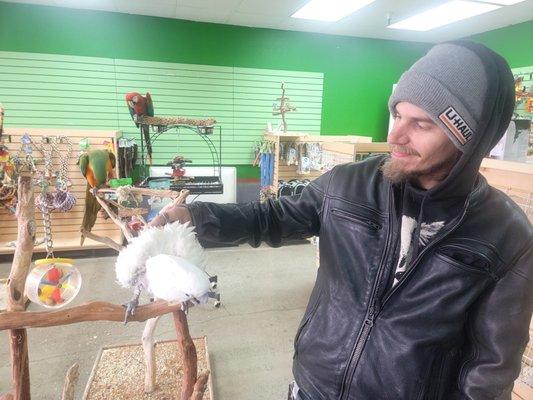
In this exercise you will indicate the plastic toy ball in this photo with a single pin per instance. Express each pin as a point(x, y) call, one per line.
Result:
point(53, 283)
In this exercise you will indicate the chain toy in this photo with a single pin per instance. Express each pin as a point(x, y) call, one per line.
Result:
point(44, 200)
point(63, 199)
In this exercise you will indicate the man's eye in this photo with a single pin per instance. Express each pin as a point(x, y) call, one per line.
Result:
point(423, 127)
point(396, 116)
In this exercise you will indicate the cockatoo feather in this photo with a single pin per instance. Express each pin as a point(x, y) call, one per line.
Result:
point(174, 278)
point(173, 239)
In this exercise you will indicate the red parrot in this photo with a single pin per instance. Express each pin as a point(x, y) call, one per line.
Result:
point(96, 166)
point(141, 106)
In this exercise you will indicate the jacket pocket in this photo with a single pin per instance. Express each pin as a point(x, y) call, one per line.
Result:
point(481, 266)
point(442, 375)
point(305, 321)
point(360, 218)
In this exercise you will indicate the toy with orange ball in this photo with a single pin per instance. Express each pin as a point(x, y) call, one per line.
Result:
point(53, 283)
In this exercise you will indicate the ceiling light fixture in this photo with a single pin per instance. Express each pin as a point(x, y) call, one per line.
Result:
point(329, 10)
point(502, 2)
point(443, 14)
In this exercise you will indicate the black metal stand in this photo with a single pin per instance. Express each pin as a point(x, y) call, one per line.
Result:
point(198, 184)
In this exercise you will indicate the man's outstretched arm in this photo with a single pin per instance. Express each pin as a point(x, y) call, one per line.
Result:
point(289, 217)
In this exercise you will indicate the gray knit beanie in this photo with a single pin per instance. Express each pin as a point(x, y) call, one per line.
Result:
point(450, 83)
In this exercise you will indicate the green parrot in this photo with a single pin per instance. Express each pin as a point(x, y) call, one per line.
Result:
point(96, 166)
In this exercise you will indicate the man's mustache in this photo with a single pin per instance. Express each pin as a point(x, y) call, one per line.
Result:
point(403, 149)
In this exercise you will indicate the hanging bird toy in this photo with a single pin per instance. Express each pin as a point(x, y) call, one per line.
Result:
point(53, 283)
point(64, 200)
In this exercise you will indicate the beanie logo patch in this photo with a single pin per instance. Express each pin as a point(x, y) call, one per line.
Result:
point(457, 125)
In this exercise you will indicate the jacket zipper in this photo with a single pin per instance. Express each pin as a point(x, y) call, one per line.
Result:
point(371, 314)
point(430, 246)
point(356, 218)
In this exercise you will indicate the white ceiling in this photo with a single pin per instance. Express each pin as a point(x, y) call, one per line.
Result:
point(370, 21)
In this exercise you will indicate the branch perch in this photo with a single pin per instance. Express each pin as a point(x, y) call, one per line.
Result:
point(91, 311)
point(20, 371)
point(188, 353)
point(102, 239)
point(127, 234)
point(70, 382)
point(200, 386)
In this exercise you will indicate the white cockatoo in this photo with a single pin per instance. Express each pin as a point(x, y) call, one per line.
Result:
point(169, 263)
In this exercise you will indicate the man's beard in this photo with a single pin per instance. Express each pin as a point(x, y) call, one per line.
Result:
point(392, 170)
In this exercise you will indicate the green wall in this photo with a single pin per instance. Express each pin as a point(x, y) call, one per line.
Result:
point(514, 42)
point(358, 73)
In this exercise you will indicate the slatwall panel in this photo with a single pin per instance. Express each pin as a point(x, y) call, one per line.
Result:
point(41, 90)
point(65, 226)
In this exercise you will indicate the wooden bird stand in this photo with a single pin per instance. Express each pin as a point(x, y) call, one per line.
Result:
point(16, 320)
point(190, 383)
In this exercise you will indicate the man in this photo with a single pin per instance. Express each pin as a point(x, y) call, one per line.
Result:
point(423, 290)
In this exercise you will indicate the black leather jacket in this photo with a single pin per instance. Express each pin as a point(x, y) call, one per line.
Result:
point(450, 329)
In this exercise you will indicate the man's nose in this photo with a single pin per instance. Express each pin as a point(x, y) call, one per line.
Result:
point(398, 134)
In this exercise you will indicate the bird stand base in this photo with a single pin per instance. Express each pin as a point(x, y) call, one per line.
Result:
point(118, 372)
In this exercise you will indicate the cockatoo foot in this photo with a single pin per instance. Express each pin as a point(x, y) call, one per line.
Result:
point(213, 282)
point(185, 307)
point(130, 308)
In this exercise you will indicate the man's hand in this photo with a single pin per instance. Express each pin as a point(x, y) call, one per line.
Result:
point(170, 213)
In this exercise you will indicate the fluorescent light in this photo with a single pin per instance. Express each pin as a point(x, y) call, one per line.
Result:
point(329, 10)
point(443, 14)
point(502, 2)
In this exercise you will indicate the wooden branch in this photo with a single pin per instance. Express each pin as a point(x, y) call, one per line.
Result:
point(102, 239)
point(200, 386)
point(131, 212)
point(70, 382)
point(115, 219)
point(188, 354)
point(91, 311)
point(20, 371)
point(149, 354)
point(162, 121)
point(182, 196)
point(24, 247)
point(145, 192)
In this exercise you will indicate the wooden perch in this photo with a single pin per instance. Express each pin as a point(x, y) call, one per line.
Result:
point(20, 371)
point(102, 239)
point(125, 230)
point(200, 386)
point(188, 353)
point(91, 311)
point(24, 247)
point(145, 192)
point(70, 382)
point(164, 121)
point(149, 354)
